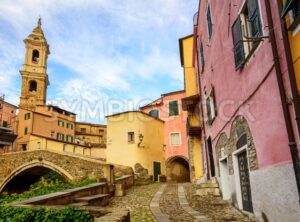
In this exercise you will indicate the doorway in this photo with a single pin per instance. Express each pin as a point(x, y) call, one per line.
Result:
point(156, 170)
point(211, 158)
point(242, 179)
point(224, 178)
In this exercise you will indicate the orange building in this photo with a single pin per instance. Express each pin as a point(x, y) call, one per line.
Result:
point(7, 125)
point(93, 136)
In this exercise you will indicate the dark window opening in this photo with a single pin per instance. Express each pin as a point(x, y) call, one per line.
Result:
point(154, 113)
point(209, 22)
point(5, 124)
point(32, 86)
point(173, 108)
point(35, 56)
point(130, 137)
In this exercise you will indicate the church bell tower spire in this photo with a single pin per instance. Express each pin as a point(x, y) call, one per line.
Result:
point(34, 70)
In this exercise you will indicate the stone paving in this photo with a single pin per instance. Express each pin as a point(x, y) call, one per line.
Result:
point(185, 206)
point(137, 200)
point(169, 204)
point(154, 205)
point(216, 209)
point(175, 203)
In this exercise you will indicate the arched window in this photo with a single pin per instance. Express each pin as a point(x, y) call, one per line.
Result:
point(32, 86)
point(154, 113)
point(35, 56)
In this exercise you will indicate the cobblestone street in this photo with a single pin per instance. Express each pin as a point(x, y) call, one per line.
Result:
point(216, 209)
point(169, 204)
point(138, 200)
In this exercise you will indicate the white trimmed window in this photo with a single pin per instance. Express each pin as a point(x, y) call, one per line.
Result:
point(175, 139)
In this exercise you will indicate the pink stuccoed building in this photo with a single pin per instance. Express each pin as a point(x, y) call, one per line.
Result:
point(168, 108)
point(247, 106)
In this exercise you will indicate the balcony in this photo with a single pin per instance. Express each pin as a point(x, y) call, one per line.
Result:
point(194, 131)
point(189, 103)
point(6, 136)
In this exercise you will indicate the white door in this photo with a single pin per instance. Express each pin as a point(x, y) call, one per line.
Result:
point(224, 179)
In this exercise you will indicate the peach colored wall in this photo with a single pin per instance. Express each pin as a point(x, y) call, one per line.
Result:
point(7, 113)
point(172, 124)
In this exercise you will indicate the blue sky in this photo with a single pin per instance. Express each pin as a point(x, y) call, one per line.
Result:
point(106, 55)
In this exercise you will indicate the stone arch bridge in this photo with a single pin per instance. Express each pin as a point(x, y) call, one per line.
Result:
point(29, 165)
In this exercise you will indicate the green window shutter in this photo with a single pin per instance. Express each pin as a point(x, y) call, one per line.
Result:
point(71, 126)
point(25, 130)
point(62, 123)
point(209, 22)
point(254, 18)
point(173, 108)
point(57, 136)
point(237, 36)
point(62, 137)
point(72, 139)
point(58, 122)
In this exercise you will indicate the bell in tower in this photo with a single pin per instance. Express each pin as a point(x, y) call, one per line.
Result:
point(34, 70)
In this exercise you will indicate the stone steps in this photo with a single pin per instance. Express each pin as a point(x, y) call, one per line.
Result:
point(94, 200)
point(210, 187)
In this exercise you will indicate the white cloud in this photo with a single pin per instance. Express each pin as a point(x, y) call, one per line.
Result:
point(106, 43)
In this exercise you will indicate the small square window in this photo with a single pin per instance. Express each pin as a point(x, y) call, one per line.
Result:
point(175, 139)
point(130, 137)
point(27, 116)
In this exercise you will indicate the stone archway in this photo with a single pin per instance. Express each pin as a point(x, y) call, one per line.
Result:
point(178, 169)
point(36, 169)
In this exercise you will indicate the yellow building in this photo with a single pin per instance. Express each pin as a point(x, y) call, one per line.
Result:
point(191, 104)
point(93, 136)
point(136, 137)
point(291, 12)
point(42, 126)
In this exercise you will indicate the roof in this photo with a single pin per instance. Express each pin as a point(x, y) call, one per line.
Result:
point(91, 124)
point(134, 111)
point(172, 93)
point(8, 103)
point(60, 110)
point(181, 47)
point(162, 95)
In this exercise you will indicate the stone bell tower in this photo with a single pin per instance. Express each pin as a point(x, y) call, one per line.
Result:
point(34, 70)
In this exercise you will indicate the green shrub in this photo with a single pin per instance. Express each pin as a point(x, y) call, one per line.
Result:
point(12, 214)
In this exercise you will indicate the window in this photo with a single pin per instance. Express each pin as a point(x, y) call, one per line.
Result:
point(201, 56)
point(83, 130)
point(293, 8)
point(246, 31)
point(65, 148)
point(5, 124)
point(173, 108)
point(35, 56)
point(26, 131)
point(69, 125)
point(32, 86)
point(209, 22)
point(60, 136)
point(27, 116)
point(154, 113)
point(60, 123)
point(130, 137)
point(175, 139)
point(52, 134)
point(39, 145)
point(70, 139)
point(210, 107)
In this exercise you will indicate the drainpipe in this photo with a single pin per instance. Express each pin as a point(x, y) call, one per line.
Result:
point(283, 97)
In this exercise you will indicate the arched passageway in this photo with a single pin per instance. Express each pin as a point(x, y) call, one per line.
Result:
point(21, 180)
point(178, 170)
